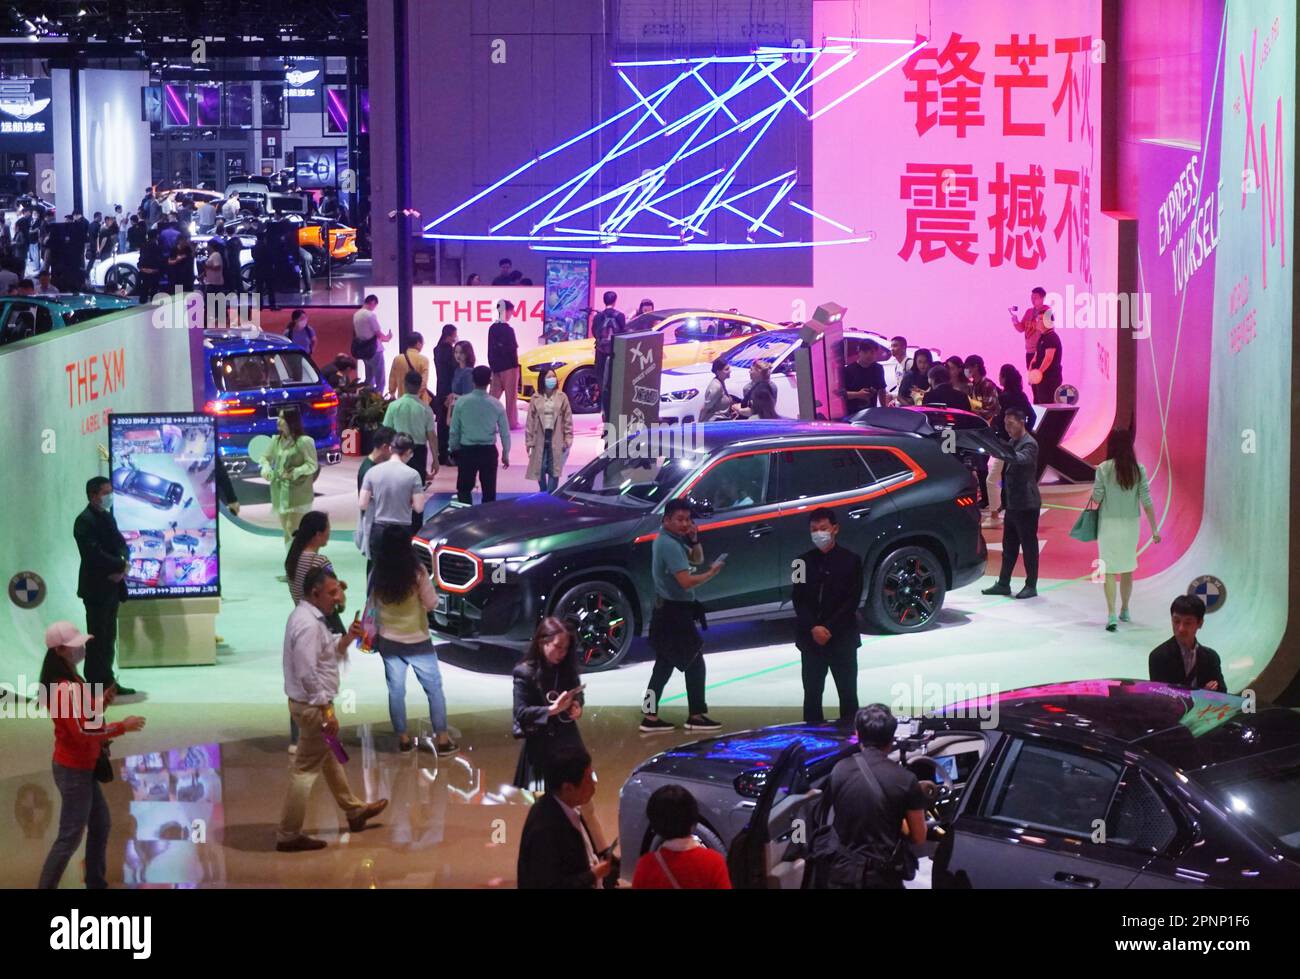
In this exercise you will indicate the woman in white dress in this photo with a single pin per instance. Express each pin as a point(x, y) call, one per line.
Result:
point(1119, 487)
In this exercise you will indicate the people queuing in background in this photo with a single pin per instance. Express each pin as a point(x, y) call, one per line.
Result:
point(1012, 396)
point(81, 739)
point(312, 655)
point(444, 370)
point(942, 393)
point(548, 700)
point(368, 338)
point(476, 422)
point(557, 849)
point(1181, 660)
point(403, 596)
point(826, 595)
point(759, 399)
point(680, 862)
point(1023, 503)
point(290, 467)
point(392, 495)
point(410, 359)
point(503, 359)
point(1119, 487)
point(410, 416)
point(864, 379)
point(916, 382)
point(548, 432)
point(1045, 371)
point(101, 579)
point(895, 367)
point(718, 404)
point(301, 332)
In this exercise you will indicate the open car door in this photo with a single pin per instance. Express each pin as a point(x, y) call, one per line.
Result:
point(770, 852)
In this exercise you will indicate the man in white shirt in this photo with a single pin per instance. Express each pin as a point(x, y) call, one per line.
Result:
point(230, 209)
point(392, 493)
point(311, 682)
point(368, 338)
point(896, 366)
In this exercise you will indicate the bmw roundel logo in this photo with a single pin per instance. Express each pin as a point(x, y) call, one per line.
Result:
point(1210, 590)
point(1067, 394)
point(27, 589)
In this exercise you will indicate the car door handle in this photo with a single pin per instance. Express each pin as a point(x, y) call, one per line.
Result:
point(1075, 880)
point(859, 513)
point(762, 530)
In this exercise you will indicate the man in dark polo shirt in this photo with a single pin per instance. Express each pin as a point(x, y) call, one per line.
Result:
point(827, 593)
point(1045, 372)
point(864, 379)
point(872, 798)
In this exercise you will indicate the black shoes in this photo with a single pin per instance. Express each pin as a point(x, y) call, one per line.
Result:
point(300, 844)
point(702, 722)
point(358, 822)
point(653, 725)
point(998, 589)
point(1029, 591)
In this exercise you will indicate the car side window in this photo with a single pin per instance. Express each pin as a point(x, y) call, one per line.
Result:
point(1053, 788)
point(731, 329)
point(695, 329)
point(739, 482)
point(821, 472)
point(1139, 817)
point(24, 320)
point(884, 464)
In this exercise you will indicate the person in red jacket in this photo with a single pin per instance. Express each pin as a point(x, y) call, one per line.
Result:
point(682, 862)
point(80, 735)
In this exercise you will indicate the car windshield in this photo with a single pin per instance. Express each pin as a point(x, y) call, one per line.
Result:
point(766, 346)
point(1262, 789)
point(271, 369)
point(632, 475)
point(74, 316)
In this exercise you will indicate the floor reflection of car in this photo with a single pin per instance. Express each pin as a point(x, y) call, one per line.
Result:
point(1075, 786)
point(682, 388)
point(251, 378)
point(584, 552)
point(691, 336)
point(154, 490)
point(29, 316)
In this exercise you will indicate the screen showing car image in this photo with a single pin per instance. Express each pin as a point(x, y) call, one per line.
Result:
point(316, 167)
point(165, 502)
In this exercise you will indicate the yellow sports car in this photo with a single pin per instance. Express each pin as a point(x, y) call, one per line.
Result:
point(691, 336)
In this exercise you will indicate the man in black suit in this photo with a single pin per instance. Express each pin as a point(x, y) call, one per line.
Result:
point(827, 592)
point(557, 849)
point(1181, 660)
point(101, 582)
point(444, 368)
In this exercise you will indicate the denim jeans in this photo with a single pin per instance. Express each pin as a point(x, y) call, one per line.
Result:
point(546, 481)
point(420, 657)
point(84, 811)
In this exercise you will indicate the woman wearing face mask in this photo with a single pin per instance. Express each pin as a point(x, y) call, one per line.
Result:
point(290, 467)
point(80, 737)
point(548, 434)
point(547, 701)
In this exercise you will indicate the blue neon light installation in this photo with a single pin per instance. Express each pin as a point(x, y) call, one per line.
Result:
point(676, 114)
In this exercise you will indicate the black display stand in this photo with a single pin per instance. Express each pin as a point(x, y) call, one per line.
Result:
point(1053, 422)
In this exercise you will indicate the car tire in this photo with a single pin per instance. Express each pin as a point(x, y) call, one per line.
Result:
point(583, 391)
point(247, 277)
point(601, 616)
point(907, 590)
point(121, 277)
point(317, 261)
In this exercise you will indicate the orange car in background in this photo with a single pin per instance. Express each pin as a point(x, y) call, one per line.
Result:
point(343, 244)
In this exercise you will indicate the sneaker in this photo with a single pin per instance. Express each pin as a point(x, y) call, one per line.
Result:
point(299, 844)
point(653, 725)
point(1027, 592)
point(702, 722)
point(991, 521)
point(293, 749)
point(1123, 615)
point(998, 589)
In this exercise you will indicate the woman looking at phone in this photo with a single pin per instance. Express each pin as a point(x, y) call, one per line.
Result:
point(548, 699)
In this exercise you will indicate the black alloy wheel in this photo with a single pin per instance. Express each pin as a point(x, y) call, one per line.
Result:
point(121, 277)
point(908, 590)
point(601, 618)
point(583, 391)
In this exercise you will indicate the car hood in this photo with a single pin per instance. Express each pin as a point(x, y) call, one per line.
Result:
point(722, 759)
point(558, 351)
point(534, 524)
point(688, 373)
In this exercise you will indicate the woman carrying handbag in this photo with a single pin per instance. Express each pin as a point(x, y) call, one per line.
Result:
point(1119, 487)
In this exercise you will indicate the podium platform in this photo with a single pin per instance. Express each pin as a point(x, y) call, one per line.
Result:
point(168, 632)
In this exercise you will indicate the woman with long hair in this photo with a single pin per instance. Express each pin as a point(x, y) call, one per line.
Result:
point(81, 738)
point(403, 597)
point(1120, 486)
point(916, 382)
point(548, 432)
point(760, 394)
point(462, 381)
point(291, 467)
point(1012, 396)
point(547, 699)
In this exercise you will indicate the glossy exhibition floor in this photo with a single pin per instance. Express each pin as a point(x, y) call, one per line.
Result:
point(453, 822)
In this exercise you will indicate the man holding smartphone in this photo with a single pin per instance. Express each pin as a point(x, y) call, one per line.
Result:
point(673, 635)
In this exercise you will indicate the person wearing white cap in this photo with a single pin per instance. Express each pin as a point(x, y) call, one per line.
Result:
point(81, 738)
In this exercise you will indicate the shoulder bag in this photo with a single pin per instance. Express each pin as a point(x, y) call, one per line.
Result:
point(902, 861)
point(1085, 526)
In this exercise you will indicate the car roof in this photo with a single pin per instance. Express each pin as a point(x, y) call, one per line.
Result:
point(718, 435)
point(78, 300)
point(1187, 729)
point(245, 341)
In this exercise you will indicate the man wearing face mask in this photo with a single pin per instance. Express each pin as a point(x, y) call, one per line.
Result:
point(101, 581)
point(827, 592)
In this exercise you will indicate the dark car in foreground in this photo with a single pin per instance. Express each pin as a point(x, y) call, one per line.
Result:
point(583, 553)
point(1079, 786)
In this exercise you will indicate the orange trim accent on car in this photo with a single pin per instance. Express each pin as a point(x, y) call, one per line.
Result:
point(457, 589)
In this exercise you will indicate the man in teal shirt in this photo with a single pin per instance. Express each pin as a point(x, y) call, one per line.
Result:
point(673, 637)
point(476, 421)
point(409, 415)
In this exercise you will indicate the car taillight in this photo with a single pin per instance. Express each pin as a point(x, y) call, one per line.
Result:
point(330, 400)
point(965, 501)
point(226, 408)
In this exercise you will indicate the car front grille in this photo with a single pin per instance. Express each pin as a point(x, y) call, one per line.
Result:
point(455, 569)
point(424, 556)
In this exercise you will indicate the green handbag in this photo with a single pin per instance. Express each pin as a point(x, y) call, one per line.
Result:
point(1085, 527)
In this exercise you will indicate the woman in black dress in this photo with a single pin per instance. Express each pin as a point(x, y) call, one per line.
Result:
point(916, 382)
point(547, 699)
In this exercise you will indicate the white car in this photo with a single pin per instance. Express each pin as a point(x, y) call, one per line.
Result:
point(121, 271)
point(682, 388)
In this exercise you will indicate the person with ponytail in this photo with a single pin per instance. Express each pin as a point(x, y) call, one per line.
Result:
point(81, 738)
point(312, 534)
point(1119, 487)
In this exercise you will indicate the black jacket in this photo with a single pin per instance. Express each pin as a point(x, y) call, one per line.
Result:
point(551, 853)
point(502, 347)
point(103, 552)
point(829, 595)
point(1166, 666)
point(531, 708)
point(1013, 399)
point(947, 396)
point(444, 368)
point(1020, 478)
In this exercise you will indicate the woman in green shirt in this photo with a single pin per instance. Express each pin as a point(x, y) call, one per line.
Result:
point(290, 467)
point(1121, 488)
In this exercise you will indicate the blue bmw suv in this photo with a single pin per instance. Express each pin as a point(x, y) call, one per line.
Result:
point(251, 378)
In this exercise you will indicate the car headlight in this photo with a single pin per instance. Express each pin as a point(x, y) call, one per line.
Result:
point(513, 565)
point(686, 395)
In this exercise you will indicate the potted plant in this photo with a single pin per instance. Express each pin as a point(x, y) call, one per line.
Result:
point(369, 415)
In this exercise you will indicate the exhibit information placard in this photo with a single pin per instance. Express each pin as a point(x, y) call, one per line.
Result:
point(165, 502)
